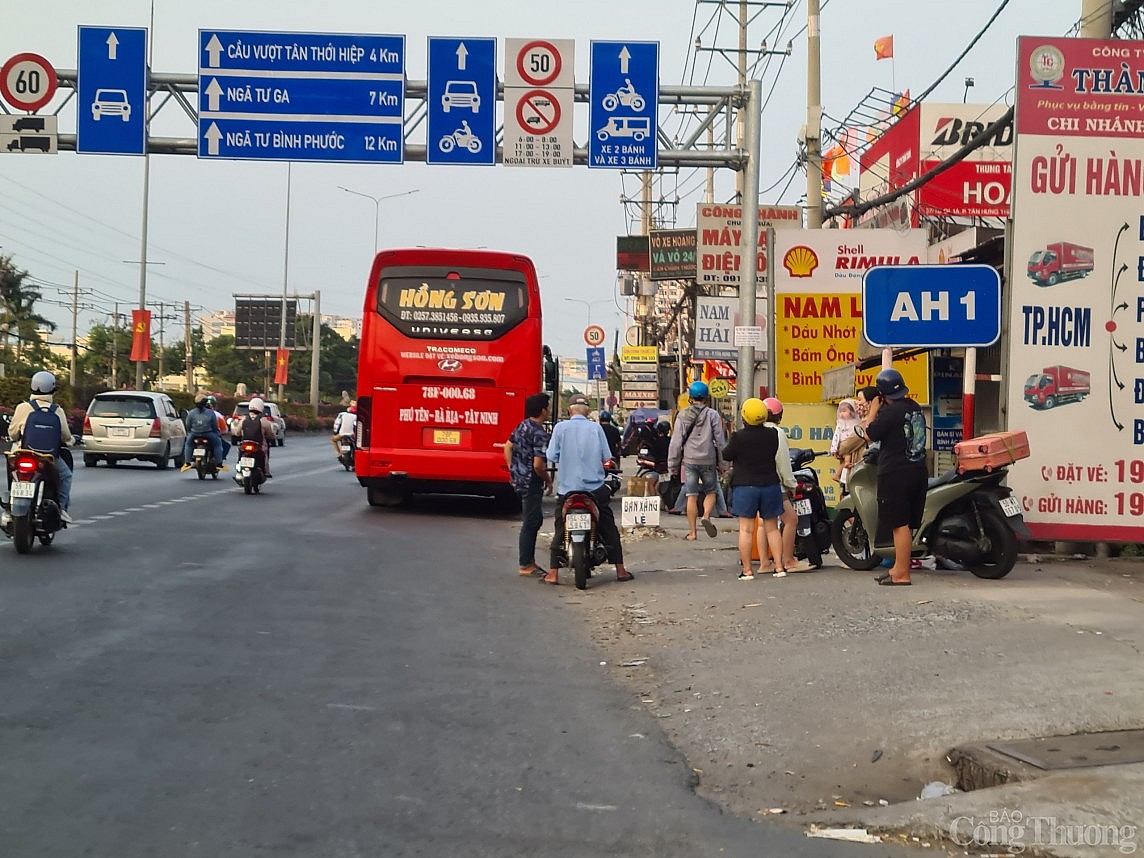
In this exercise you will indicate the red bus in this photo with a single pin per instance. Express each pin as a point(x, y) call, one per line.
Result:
point(450, 349)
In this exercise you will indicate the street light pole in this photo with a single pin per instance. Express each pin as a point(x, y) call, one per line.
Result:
point(588, 304)
point(377, 208)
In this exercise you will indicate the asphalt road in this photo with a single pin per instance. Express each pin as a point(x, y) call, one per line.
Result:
point(192, 671)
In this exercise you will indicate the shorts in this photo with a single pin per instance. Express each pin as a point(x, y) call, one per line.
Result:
point(699, 476)
point(764, 501)
point(902, 498)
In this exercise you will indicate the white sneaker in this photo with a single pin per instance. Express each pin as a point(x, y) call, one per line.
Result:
point(64, 517)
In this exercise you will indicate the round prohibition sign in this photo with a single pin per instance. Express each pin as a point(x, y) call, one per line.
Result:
point(539, 63)
point(594, 335)
point(28, 81)
point(538, 112)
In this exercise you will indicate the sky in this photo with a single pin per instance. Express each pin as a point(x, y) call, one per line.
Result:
point(219, 227)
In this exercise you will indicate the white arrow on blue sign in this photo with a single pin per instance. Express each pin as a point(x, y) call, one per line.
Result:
point(301, 96)
point(111, 91)
point(462, 100)
point(597, 369)
point(932, 306)
point(623, 92)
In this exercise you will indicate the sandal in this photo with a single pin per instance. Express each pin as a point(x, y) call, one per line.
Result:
point(779, 573)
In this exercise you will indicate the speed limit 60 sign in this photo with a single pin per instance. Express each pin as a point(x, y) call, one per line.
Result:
point(28, 81)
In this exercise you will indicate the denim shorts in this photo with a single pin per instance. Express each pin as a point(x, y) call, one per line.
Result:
point(697, 476)
point(764, 501)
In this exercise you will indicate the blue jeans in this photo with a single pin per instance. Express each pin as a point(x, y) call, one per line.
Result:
point(216, 446)
point(720, 500)
point(63, 482)
point(531, 517)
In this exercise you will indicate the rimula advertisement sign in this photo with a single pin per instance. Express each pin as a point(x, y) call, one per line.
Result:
point(1076, 341)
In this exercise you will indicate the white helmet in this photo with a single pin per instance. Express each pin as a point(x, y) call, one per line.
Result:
point(43, 382)
point(258, 405)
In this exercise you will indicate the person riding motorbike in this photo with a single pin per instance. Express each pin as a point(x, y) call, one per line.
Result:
point(202, 422)
point(221, 421)
point(39, 424)
point(255, 428)
point(611, 433)
point(344, 424)
point(658, 445)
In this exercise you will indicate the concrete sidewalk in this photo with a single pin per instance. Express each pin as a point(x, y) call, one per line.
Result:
point(835, 701)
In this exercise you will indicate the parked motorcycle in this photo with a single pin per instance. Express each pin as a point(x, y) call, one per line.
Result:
point(250, 471)
point(346, 456)
point(970, 519)
point(203, 460)
point(34, 510)
point(813, 528)
point(582, 550)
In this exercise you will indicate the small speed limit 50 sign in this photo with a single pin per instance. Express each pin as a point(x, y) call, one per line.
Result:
point(28, 81)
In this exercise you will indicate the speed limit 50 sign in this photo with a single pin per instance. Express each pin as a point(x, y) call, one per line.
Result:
point(28, 81)
point(539, 90)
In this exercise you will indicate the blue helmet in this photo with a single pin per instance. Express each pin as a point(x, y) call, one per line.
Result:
point(698, 390)
point(605, 416)
point(891, 384)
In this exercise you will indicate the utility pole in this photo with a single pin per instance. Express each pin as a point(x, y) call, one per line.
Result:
point(315, 358)
point(813, 116)
point(1095, 19)
point(114, 346)
point(75, 327)
point(739, 117)
point(161, 311)
point(189, 359)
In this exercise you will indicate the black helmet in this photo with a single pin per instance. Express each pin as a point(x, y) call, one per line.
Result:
point(663, 427)
point(891, 384)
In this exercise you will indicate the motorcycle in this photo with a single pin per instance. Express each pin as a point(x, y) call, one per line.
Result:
point(346, 446)
point(813, 528)
point(34, 510)
point(969, 519)
point(582, 549)
point(203, 460)
point(625, 95)
point(462, 137)
point(249, 472)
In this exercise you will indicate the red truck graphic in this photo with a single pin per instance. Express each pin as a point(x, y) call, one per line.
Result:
point(1056, 384)
point(1058, 262)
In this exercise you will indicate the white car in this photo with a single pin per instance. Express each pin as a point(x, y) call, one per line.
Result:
point(111, 102)
point(242, 409)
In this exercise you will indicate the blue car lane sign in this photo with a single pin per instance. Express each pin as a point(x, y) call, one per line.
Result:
point(461, 101)
point(931, 306)
point(111, 91)
point(623, 95)
point(301, 96)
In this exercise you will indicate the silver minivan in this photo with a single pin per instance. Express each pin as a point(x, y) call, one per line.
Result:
point(133, 424)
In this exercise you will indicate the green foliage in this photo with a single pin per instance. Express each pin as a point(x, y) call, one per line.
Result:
point(22, 349)
point(228, 366)
point(15, 389)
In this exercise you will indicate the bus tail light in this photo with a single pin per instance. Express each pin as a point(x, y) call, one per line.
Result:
point(362, 426)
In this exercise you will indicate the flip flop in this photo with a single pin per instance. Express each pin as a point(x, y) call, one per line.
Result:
point(628, 576)
point(709, 526)
point(535, 570)
point(887, 581)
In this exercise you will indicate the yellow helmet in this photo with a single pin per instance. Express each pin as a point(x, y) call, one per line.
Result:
point(754, 412)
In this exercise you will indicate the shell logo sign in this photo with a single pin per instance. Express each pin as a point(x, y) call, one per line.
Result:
point(800, 261)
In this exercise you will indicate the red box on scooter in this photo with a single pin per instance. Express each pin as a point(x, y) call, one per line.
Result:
point(988, 452)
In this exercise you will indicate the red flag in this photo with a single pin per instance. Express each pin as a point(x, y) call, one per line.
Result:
point(884, 48)
point(141, 335)
point(282, 366)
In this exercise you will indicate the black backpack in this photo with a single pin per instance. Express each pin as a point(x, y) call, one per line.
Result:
point(42, 430)
point(252, 429)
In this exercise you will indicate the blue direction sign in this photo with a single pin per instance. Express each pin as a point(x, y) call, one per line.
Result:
point(111, 91)
point(301, 96)
point(462, 100)
point(624, 96)
point(933, 306)
point(597, 369)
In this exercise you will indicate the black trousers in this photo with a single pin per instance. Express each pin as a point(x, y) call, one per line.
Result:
point(606, 526)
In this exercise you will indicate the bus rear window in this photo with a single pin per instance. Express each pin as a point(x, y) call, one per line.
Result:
point(452, 303)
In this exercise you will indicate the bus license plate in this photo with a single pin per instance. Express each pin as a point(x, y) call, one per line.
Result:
point(23, 490)
point(802, 507)
point(119, 431)
point(1010, 506)
point(447, 436)
point(246, 462)
point(578, 521)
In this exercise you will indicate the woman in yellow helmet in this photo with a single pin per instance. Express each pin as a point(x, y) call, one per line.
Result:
point(761, 478)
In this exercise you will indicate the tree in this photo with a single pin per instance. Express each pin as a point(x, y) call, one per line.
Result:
point(338, 364)
point(20, 324)
point(229, 367)
point(108, 351)
point(175, 355)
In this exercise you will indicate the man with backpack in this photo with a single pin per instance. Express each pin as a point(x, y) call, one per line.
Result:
point(202, 423)
point(39, 424)
point(697, 443)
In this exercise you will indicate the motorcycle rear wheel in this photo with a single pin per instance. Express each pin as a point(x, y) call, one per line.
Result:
point(23, 533)
point(580, 564)
point(809, 550)
point(1003, 555)
point(851, 542)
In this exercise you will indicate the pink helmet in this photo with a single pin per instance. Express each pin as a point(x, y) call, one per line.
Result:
point(774, 405)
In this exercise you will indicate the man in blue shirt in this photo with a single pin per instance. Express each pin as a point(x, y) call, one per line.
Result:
point(580, 448)
point(524, 453)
